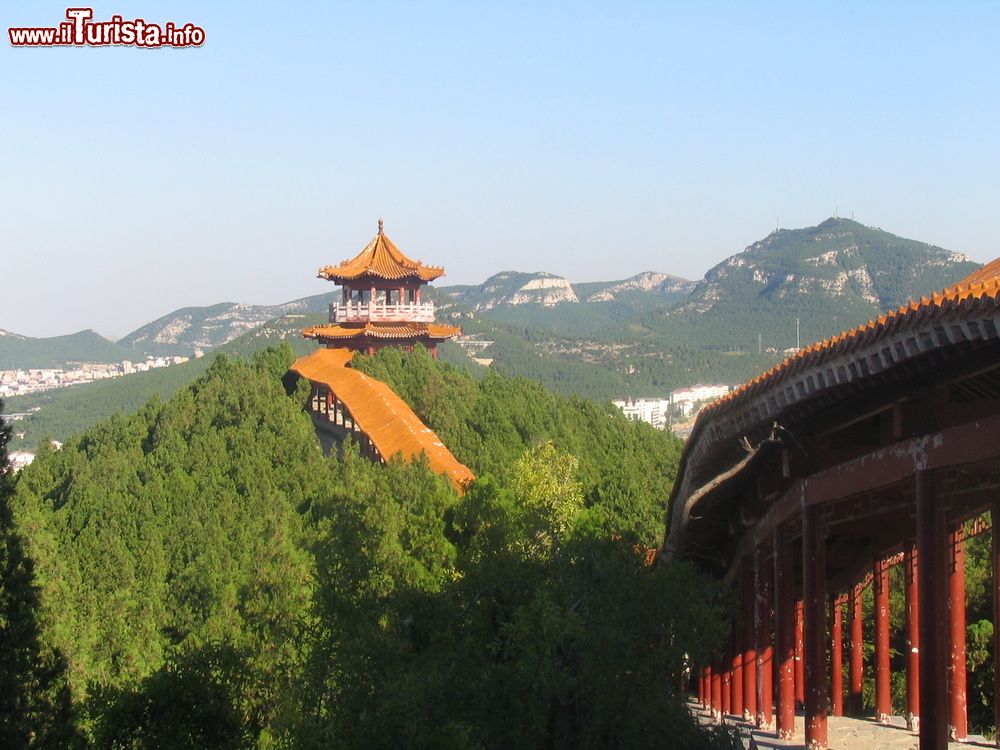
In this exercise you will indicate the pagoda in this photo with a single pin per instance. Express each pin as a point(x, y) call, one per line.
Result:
point(380, 302)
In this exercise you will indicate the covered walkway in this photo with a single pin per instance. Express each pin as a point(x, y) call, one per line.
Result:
point(369, 410)
point(876, 448)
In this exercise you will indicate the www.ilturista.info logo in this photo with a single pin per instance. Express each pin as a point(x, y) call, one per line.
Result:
point(80, 30)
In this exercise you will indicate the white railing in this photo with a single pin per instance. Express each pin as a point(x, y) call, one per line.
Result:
point(354, 312)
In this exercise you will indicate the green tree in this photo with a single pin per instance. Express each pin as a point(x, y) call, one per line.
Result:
point(34, 701)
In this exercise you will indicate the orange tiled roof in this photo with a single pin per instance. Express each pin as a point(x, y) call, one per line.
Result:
point(979, 285)
point(380, 414)
point(383, 331)
point(381, 258)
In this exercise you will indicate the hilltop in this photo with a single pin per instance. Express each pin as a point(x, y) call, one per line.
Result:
point(189, 328)
point(25, 352)
point(831, 276)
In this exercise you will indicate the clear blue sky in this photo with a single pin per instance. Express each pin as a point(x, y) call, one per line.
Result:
point(593, 141)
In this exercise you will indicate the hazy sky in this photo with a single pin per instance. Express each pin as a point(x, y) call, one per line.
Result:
point(592, 141)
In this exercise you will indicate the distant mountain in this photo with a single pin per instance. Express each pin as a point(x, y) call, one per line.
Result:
point(24, 352)
point(553, 304)
point(831, 277)
point(514, 288)
point(665, 286)
point(206, 328)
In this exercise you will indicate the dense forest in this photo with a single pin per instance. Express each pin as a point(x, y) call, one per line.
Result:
point(200, 574)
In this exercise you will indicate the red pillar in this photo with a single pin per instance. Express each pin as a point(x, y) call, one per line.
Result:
point(814, 642)
point(995, 521)
point(701, 687)
point(749, 643)
point(958, 728)
point(836, 657)
point(727, 680)
point(785, 622)
point(912, 638)
point(883, 675)
point(736, 665)
point(800, 688)
point(857, 663)
point(765, 649)
point(716, 691)
point(932, 548)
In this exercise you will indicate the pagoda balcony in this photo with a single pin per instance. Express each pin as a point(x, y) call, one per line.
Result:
point(360, 312)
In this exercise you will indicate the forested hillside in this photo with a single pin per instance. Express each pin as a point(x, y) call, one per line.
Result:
point(205, 577)
point(24, 352)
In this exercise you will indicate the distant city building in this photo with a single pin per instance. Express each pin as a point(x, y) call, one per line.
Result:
point(653, 411)
point(21, 382)
point(685, 400)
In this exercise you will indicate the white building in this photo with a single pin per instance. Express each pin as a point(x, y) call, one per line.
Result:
point(683, 400)
point(20, 459)
point(651, 410)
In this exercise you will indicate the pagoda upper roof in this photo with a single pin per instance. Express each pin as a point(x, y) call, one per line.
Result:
point(381, 259)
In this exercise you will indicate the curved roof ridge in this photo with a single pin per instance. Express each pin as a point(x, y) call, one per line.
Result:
point(382, 259)
point(976, 285)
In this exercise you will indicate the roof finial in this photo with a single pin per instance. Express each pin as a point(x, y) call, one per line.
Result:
point(380, 225)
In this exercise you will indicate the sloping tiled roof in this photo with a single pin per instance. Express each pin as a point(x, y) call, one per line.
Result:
point(982, 284)
point(383, 331)
point(380, 414)
point(382, 259)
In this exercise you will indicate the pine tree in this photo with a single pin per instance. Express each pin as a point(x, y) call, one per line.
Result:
point(34, 700)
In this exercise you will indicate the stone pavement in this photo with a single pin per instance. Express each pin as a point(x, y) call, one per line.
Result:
point(844, 734)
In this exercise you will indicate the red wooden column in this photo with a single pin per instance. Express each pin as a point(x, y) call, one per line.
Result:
point(932, 548)
point(785, 622)
point(736, 699)
point(912, 638)
point(836, 656)
point(995, 522)
point(800, 686)
point(749, 642)
point(814, 598)
point(958, 728)
point(765, 649)
point(716, 691)
point(857, 663)
point(727, 680)
point(701, 688)
point(883, 675)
